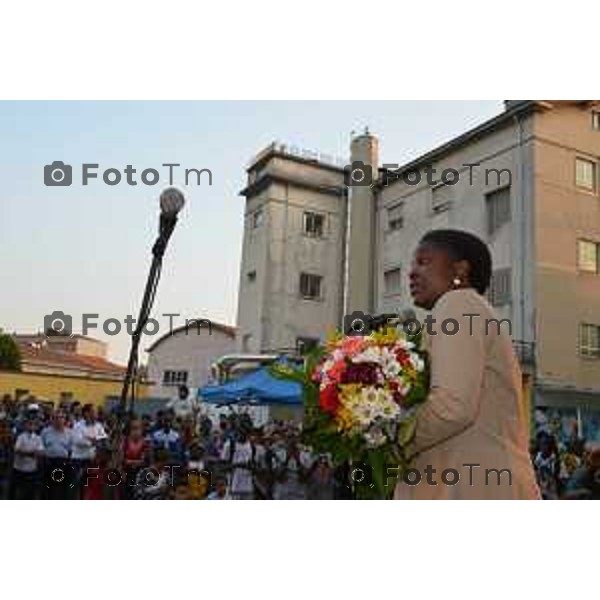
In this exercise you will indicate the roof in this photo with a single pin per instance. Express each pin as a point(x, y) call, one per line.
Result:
point(226, 329)
point(513, 108)
point(70, 361)
point(20, 337)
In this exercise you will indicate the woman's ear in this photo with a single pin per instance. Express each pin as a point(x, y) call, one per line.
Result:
point(462, 270)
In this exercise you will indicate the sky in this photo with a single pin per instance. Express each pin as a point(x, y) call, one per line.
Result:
point(86, 249)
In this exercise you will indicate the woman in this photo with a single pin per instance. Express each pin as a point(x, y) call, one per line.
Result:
point(135, 449)
point(472, 423)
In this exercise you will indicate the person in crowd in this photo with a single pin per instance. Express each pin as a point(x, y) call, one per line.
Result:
point(76, 413)
point(135, 450)
point(546, 464)
point(156, 481)
point(184, 405)
point(240, 454)
point(264, 466)
point(196, 476)
point(6, 452)
point(585, 482)
point(321, 479)
point(290, 482)
point(88, 436)
point(221, 491)
point(28, 453)
point(166, 437)
point(57, 439)
point(205, 427)
point(100, 484)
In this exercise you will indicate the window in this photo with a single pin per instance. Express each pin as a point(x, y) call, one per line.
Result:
point(310, 286)
point(392, 281)
point(257, 218)
point(395, 217)
point(589, 340)
point(441, 198)
point(499, 292)
point(313, 224)
point(251, 276)
point(588, 256)
point(585, 172)
point(306, 344)
point(175, 377)
point(596, 120)
point(497, 206)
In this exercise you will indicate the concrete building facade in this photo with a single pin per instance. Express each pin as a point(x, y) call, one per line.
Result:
point(526, 181)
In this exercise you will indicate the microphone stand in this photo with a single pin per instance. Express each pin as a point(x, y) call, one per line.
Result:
point(166, 227)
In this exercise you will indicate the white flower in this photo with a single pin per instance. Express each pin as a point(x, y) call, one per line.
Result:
point(404, 344)
point(391, 369)
point(375, 437)
point(372, 355)
point(418, 362)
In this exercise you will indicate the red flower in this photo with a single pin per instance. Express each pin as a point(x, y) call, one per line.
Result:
point(364, 373)
point(329, 399)
point(403, 358)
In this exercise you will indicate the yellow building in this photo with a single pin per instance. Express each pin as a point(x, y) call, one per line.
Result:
point(64, 369)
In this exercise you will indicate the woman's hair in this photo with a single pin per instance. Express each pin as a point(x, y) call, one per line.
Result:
point(461, 245)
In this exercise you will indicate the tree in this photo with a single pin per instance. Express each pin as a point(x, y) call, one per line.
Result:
point(10, 355)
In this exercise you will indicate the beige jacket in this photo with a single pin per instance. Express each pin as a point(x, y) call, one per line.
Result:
point(474, 414)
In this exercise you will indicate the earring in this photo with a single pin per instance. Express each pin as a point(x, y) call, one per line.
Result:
point(456, 281)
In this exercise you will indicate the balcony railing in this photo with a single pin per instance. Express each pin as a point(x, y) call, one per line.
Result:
point(525, 352)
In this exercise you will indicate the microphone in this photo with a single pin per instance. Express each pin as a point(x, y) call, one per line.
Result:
point(406, 313)
point(396, 319)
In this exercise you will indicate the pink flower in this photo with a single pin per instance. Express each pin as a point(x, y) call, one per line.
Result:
point(352, 345)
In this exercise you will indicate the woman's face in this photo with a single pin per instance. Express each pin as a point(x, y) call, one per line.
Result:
point(432, 274)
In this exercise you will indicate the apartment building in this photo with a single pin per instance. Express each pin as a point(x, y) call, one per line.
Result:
point(526, 181)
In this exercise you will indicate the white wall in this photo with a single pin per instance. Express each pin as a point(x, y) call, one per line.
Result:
point(193, 352)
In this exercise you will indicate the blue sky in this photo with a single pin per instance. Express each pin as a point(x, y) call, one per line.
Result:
point(87, 249)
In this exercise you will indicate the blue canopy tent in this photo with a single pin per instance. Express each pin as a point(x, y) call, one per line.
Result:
point(258, 387)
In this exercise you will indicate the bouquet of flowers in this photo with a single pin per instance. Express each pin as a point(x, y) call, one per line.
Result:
point(360, 396)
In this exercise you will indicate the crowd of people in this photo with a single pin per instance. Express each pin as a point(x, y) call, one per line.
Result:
point(566, 469)
point(75, 451)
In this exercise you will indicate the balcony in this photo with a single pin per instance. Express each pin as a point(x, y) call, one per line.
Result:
point(525, 352)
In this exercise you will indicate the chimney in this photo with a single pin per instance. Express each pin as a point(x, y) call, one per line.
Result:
point(360, 240)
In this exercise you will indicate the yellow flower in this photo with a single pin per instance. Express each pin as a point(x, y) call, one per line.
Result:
point(390, 336)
